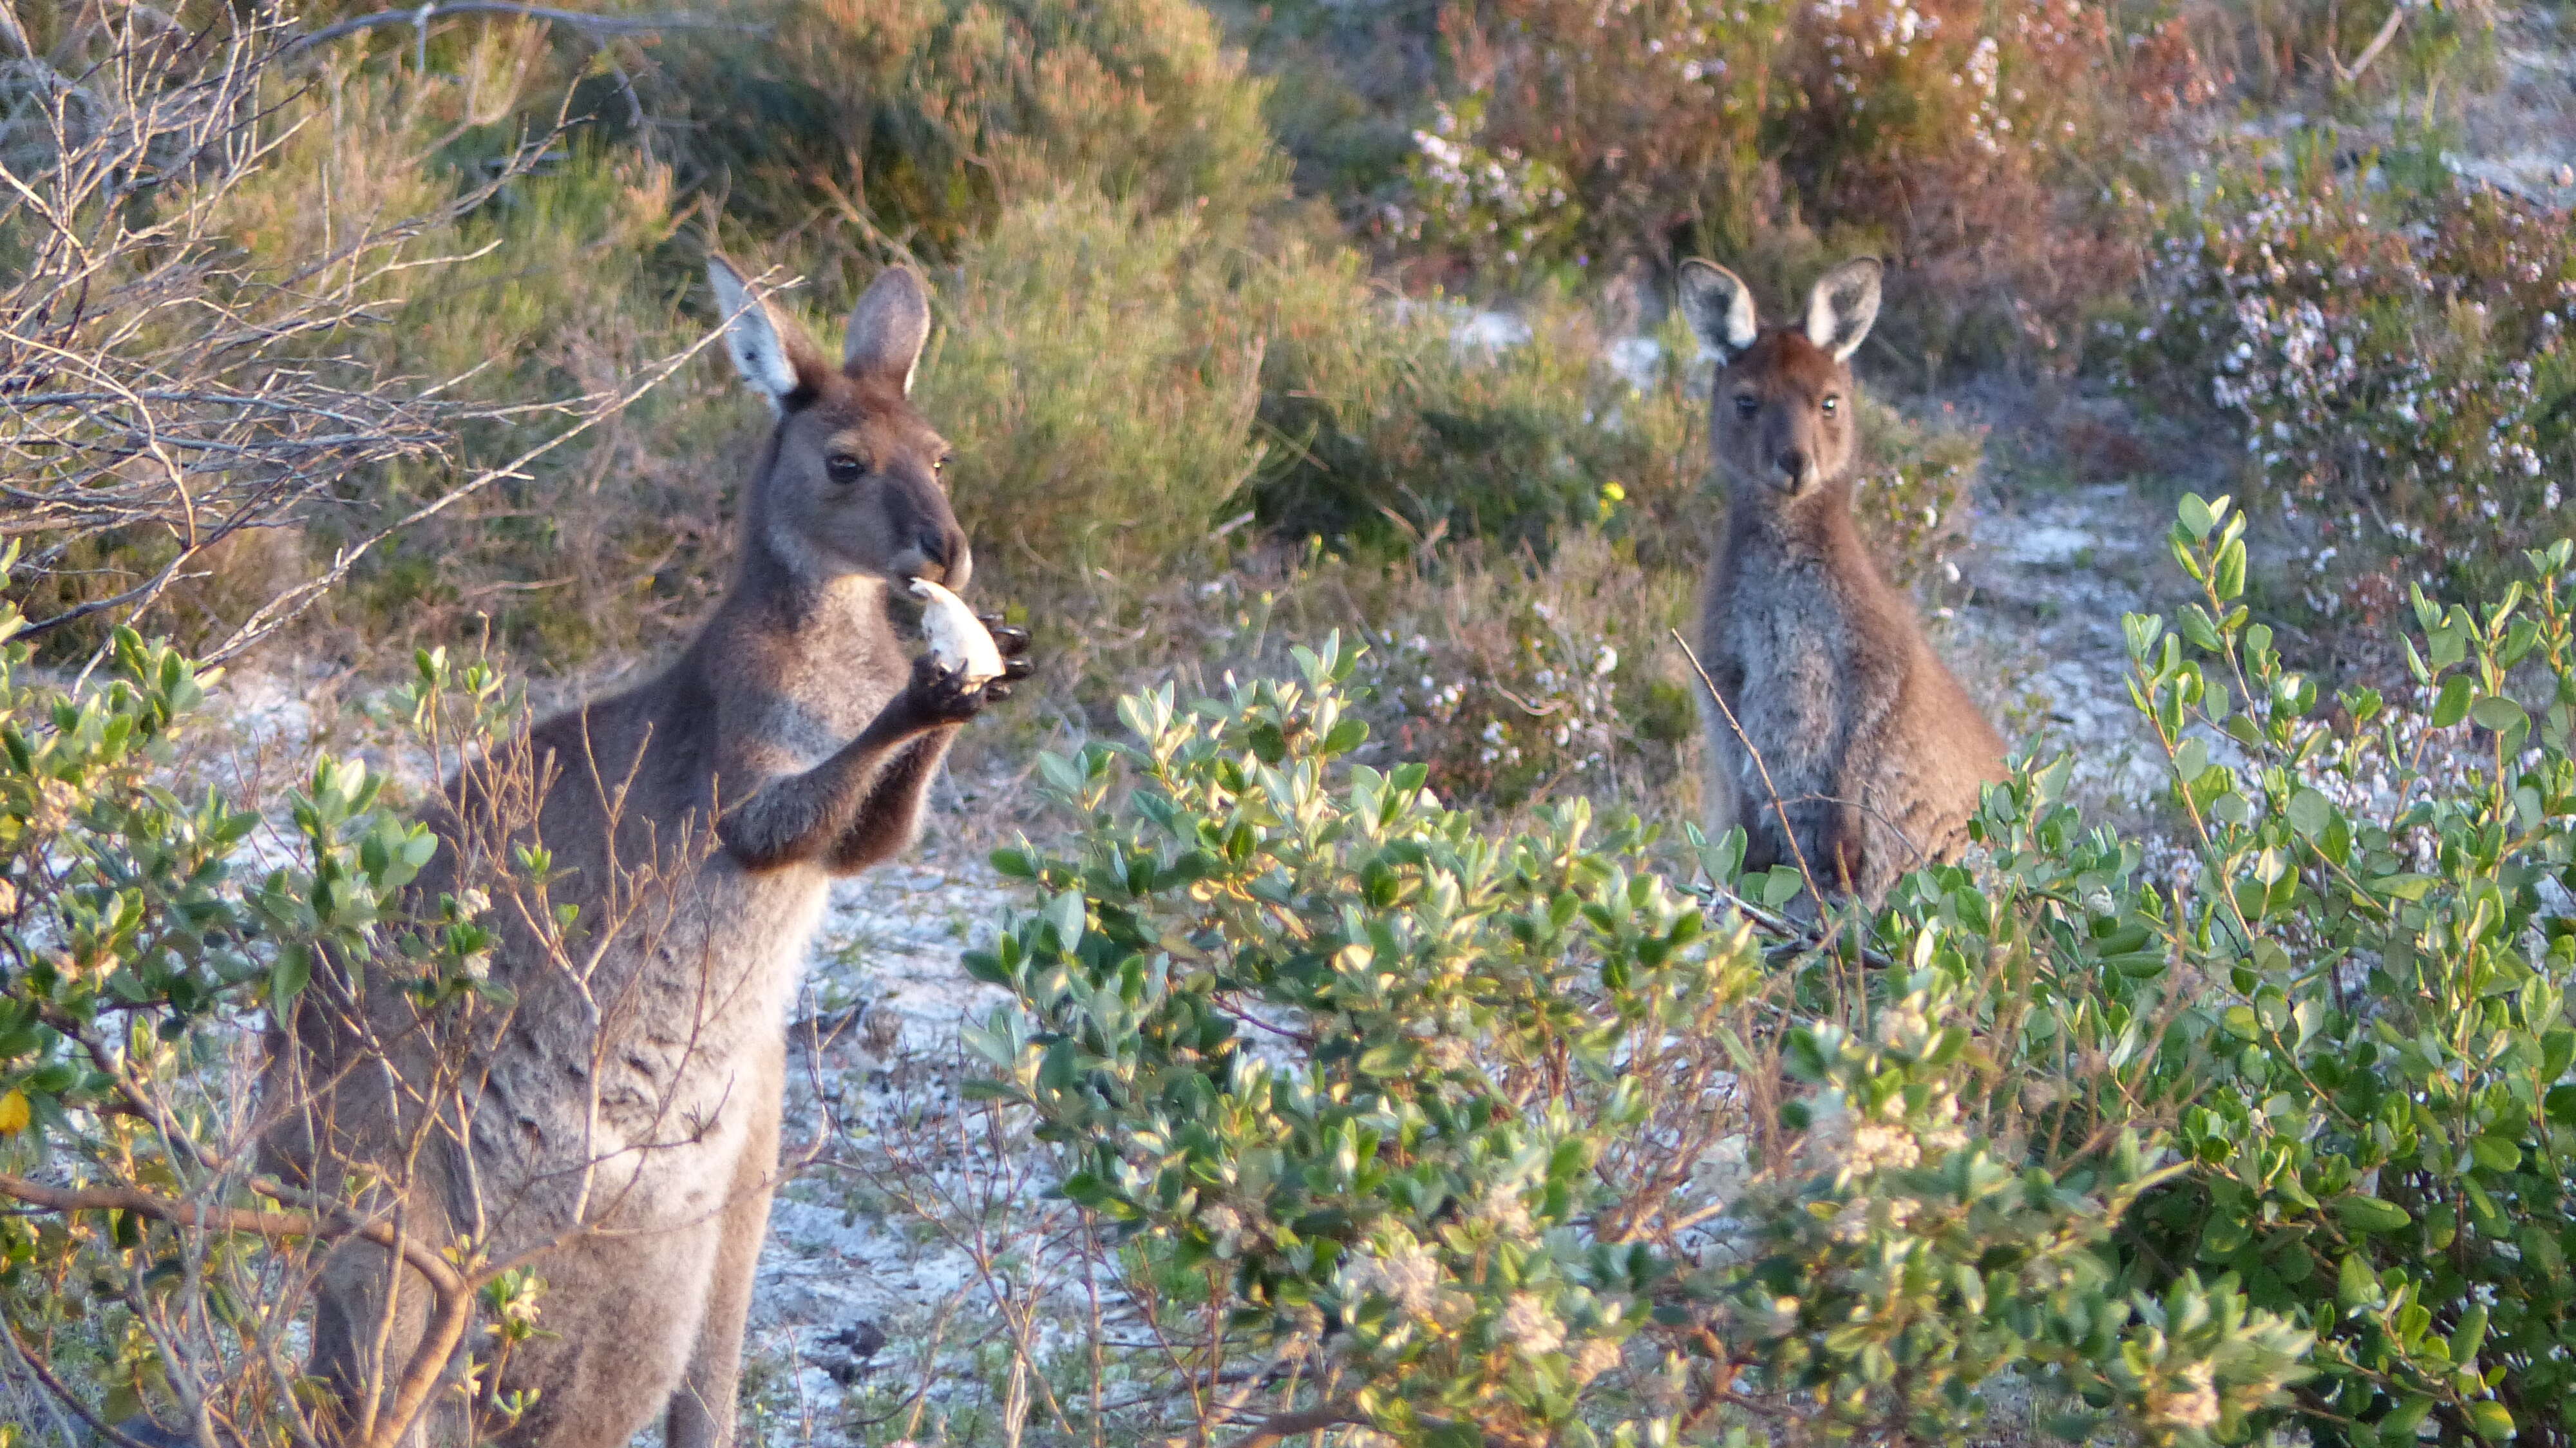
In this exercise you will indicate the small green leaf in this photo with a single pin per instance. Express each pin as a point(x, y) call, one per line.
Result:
point(2490, 1420)
point(2496, 714)
point(2495, 1153)
point(2310, 813)
point(2453, 705)
point(2370, 1214)
point(2195, 515)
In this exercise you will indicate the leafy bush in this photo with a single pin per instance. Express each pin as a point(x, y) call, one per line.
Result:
point(1507, 1135)
point(2380, 1113)
point(923, 122)
point(1515, 679)
point(1099, 375)
point(1506, 1140)
point(145, 1265)
point(2398, 362)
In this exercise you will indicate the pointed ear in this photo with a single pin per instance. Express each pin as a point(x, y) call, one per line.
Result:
point(1719, 306)
point(888, 326)
point(766, 349)
point(1843, 305)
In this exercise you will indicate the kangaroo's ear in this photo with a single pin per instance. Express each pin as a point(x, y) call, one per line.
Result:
point(1843, 305)
point(1719, 305)
point(888, 326)
point(768, 350)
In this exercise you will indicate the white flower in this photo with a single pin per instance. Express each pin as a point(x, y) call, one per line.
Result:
point(1409, 1277)
point(1876, 1148)
point(1501, 1206)
point(1598, 1355)
point(2194, 1405)
point(1528, 1328)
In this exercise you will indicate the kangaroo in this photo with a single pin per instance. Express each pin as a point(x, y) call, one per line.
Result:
point(1874, 752)
point(616, 1127)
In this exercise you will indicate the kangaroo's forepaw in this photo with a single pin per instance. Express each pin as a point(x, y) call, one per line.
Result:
point(941, 694)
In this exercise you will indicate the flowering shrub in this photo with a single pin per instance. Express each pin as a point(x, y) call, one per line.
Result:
point(1937, 130)
point(1482, 1139)
point(1497, 213)
point(2399, 366)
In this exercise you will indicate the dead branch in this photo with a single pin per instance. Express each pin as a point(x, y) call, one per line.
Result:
point(450, 1289)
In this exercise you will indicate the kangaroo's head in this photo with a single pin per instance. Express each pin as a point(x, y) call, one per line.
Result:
point(1780, 424)
point(850, 481)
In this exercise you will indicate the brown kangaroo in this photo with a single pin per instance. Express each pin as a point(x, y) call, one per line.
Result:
point(614, 1124)
point(1874, 752)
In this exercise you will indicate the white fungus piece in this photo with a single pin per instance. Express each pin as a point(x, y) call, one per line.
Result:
point(958, 639)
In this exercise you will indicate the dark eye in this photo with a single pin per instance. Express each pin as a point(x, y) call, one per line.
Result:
point(1746, 404)
point(1829, 405)
point(844, 468)
point(940, 466)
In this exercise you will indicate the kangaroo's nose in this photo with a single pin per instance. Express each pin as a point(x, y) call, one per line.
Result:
point(935, 548)
point(944, 556)
point(1793, 466)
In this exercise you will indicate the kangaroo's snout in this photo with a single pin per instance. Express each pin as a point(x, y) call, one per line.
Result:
point(940, 553)
point(1792, 470)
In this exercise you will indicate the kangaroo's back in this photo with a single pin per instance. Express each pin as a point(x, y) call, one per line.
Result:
point(1837, 739)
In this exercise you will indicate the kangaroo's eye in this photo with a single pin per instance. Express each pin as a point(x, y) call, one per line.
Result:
point(844, 468)
point(940, 466)
point(1746, 404)
point(1830, 405)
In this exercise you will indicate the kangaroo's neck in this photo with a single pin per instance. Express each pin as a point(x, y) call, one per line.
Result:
point(1814, 528)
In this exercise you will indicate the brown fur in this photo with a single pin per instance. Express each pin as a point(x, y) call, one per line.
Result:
point(617, 1128)
point(1875, 752)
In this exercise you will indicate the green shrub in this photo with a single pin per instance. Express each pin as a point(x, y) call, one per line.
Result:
point(1465, 1110)
point(2398, 362)
point(1504, 1140)
point(2380, 1114)
point(1400, 425)
point(924, 122)
point(1099, 376)
point(143, 1263)
point(1513, 679)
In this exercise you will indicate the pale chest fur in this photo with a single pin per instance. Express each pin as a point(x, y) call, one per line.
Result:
point(1779, 636)
point(680, 1010)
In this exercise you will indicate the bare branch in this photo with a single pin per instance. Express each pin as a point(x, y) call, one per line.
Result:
point(576, 19)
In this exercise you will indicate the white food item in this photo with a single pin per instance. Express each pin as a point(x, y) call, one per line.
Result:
point(957, 638)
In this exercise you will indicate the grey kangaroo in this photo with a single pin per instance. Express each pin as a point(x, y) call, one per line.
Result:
point(1873, 751)
point(614, 1124)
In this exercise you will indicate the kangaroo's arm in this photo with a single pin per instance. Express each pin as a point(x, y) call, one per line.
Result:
point(795, 818)
point(890, 819)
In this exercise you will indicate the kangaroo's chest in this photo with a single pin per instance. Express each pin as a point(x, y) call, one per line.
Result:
point(1785, 637)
